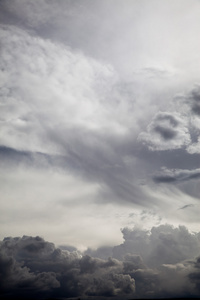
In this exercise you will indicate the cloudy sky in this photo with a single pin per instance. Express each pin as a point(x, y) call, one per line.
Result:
point(100, 147)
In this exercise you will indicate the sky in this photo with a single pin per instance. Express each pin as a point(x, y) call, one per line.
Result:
point(100, 148)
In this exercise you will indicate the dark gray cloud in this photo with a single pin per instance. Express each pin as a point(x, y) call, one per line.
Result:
point(166, 133)
point(176, 175)
point(195, 95)
point(17, 280)
point(195, 276)
point(158, 261)
point(195, 100)
point(186, 206)
point(169, 118)
point(32, 267)
point(196, 109)
point(140, 267)
point(163, 129)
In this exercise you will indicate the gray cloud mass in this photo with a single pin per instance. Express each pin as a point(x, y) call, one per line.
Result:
point(140, 267)
point(177, 175)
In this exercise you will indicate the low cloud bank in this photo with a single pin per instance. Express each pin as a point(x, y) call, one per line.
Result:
point(34, 268)
point(163, 262)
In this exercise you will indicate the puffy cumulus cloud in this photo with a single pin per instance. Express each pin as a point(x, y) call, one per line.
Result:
point(105, 278)
point(32, 267)
point(17, 277)
point(164, 244)
point(176, 129)
point(163, 262)
point(166, 131)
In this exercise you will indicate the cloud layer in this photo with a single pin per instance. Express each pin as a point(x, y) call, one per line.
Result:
point(143, 266)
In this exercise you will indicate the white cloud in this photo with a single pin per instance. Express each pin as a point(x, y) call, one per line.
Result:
point(194, 147)
point(48, 89)
point(178, 127)
point(58, 206)
point(166, 131)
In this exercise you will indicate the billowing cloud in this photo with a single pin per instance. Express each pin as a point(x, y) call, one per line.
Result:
point(177, 129)
point(166, 131)
point(164, 244)
point(143, 266)
point(33, 267)
point(158, 260)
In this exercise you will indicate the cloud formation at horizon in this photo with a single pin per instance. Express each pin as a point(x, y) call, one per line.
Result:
point(163, 262)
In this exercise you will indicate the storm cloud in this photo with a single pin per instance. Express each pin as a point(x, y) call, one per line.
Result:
point(140, 267)
point(32, 267)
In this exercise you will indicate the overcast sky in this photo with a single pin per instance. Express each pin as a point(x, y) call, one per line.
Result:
point(100, 138)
